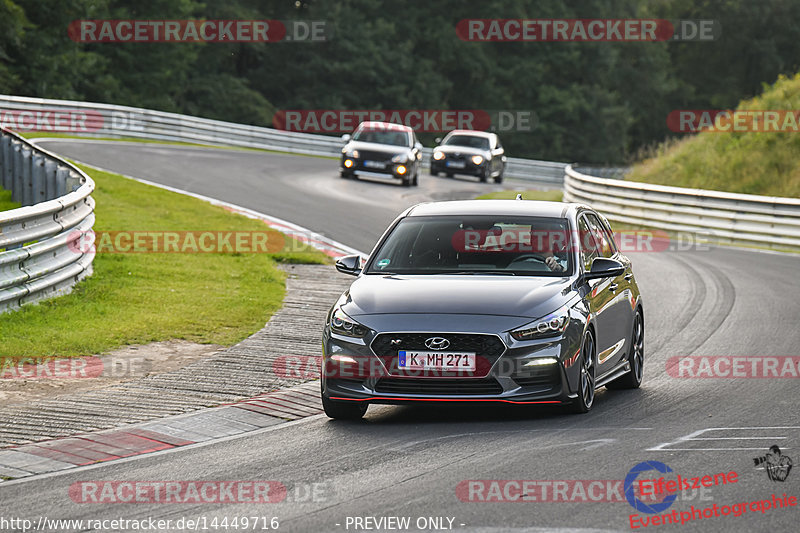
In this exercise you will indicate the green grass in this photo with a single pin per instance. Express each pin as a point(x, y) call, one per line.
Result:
point(553, 195)
point(5, 201)
point(138, 298)
point(764, 163)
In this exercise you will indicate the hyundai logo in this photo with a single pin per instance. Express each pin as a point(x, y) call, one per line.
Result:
point(437, 343)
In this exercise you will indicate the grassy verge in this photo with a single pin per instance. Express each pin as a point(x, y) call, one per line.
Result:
point(746, 162)
point(137, 298)
point(5, 201)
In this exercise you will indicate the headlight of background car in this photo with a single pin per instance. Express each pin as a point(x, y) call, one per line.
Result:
point(437, 155)
point(352, 153)
point(344, 325)
point(400, 158)
point(477, 159)
point(549, 326)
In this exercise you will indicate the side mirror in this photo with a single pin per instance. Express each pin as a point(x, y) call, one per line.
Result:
point(438, 140)
point(604, 268)
point(349, 264)
point(346, 137)
point(418, 145)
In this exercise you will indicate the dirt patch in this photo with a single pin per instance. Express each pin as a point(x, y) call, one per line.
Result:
point(60, 377)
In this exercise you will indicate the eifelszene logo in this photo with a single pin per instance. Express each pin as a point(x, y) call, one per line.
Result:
point(777, 466)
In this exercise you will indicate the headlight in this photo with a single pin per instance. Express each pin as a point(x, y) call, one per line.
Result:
point(549, 326)
point(477, 159)
point(344, 325)
point(400, 158)
point(437, 155)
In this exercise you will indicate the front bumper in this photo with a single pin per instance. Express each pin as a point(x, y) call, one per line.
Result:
point(389, 169)
point(455, 167)
point(500, 378)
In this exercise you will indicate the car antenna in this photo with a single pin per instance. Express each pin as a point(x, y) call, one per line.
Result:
point(519, 196)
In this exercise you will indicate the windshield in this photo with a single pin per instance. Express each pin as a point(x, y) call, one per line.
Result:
point(382, 136)
point(471, 141)
point(475, 245)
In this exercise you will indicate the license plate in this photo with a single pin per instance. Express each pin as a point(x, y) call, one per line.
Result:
point(412, 360)
point(374, 164)
point(456, 164)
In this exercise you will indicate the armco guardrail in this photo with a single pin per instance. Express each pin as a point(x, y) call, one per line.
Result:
point(763, 221)
point(38, 255)
point(106, 120)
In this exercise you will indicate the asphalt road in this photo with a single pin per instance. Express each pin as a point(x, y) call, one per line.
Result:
point(410, 461)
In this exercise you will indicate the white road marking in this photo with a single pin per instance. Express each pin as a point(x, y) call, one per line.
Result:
point(695, 436)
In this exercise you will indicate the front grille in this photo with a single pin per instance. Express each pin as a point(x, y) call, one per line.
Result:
point(371, 155)
point(489, 346)
point(438, 387)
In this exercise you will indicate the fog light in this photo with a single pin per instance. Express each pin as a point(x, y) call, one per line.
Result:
point(541, 361)
point(348, 163)
point(401, 169)
point(344, 359)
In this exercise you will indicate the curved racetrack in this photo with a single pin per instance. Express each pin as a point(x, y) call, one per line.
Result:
point(408, 461)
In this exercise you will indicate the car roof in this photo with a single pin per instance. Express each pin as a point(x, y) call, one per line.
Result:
point(476, 133)
point(384, 125)
point(495, 207)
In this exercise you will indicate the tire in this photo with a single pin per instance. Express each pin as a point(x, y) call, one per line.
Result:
point(344, 410)
point(434, 172)
point(415, 182)
point(406, 181)
point(449, 174)
point(485, 175)
point(587, 379)
point(347, 175)
point(633, 379)
point(499, 177)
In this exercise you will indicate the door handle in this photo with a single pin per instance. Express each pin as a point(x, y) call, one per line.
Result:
point(612, 287)
point(629, 276)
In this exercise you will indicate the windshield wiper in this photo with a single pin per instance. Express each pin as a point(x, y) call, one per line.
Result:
point(474, 272)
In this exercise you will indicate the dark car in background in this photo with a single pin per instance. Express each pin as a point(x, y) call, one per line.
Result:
point(470, 152)
point(509, 301)
point(382, 150)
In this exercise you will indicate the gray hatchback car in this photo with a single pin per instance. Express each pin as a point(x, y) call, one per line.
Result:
point(520, 302)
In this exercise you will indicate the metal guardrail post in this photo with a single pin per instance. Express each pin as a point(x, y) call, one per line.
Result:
point(37, 179)
point(16, 172)
point(7, 163)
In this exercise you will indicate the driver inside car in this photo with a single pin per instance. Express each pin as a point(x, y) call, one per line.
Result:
point(550, 241)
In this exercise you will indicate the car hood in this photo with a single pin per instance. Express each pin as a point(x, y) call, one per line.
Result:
point(516, 296)
point(462, 150)
point(375, 147)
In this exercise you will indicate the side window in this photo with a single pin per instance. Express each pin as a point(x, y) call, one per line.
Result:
point(603, 238)
point(588, 245)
